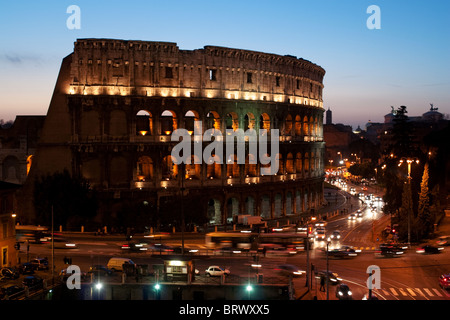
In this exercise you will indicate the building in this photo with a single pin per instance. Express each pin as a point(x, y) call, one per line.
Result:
point(116, 104)
point(8, 205)
point(18, 145)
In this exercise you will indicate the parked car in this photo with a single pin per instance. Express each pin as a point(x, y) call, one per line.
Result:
point(32, 281)
point(9, 273)
point(26, 268)
point(10, 290)
point(39, 263)
point(216, 271)
point(429, 249)
point(64, 275)
point(343, 292)
point(100, 271)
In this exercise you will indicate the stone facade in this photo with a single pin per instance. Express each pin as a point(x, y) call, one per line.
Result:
point(116, 104)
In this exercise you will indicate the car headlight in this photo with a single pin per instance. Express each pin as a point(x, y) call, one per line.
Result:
point(349, 293)
point(340, 293)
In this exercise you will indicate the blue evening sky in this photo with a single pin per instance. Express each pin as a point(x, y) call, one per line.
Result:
point(406, 62)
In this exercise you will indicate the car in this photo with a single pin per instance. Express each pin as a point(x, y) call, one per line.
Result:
point(228, 251)
point(10, 290)
point(216, 271)
point(134, 246)
point(337, 253)
point(61, 243)
point(39, 263)
point(32, 281)
point(9, 273)
point(343, 292)
point(352, 216)
point(64, 275)
point(429, 249)
point(100, 270)
point(289, 270)
point(336, 235)
point(320, 233)
point(159, 247)
point(359, 213)
point(26, 268)
point(388, 250)
point(443, 241)
point(351, 250)
point(333, 277)
point(280, 251)
point(444, 281)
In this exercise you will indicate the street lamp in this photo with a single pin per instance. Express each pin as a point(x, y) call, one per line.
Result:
point(409, 162)
point(328, 275)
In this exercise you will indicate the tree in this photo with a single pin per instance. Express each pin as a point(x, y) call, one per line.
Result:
point(72, 200)
point(425, 217)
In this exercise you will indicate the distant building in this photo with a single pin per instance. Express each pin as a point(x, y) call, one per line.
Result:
point(329, 117)
point(8, 204)
point(18, 145)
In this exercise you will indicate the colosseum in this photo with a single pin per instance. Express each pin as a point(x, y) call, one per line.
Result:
point(117, 102)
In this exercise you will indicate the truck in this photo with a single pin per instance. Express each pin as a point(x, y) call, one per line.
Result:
point(248, 220)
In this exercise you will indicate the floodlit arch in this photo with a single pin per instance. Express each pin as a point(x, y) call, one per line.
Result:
point(144, 123)
point(168, 122)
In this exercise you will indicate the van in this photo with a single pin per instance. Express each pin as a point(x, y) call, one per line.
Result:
point(116, 264)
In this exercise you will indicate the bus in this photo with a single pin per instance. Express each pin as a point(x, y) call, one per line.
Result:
point(251, 240)
point(30, 233)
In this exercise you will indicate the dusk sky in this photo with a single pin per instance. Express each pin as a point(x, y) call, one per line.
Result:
point(406, 62)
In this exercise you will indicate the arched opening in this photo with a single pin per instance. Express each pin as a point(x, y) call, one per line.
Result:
point(288, 206)
point(278, 205)
point(249, 121)
point(232, 209)
point(213, 120)
point(193, 170)
point(232, 121)
point(144, 123)
point(232, 167)
point(144, 168)
point(169, 169)
point(298, 125)
point(168, 122)
point(298, 163)
point(214, 168)
point(251, 166)
point(305, 126)
point(213, 212)
point(250, 205)
point(264, 122)
point(265, 207)
point(290, 163)
point(288, 125)
point(190, 123)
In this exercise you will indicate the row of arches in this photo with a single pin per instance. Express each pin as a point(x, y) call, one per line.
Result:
point(271, 205)
point(289, 125)
point(307, 164)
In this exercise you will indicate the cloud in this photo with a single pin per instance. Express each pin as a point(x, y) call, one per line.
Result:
point(20, 59)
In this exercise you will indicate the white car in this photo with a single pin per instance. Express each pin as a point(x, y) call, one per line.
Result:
point(216, 271)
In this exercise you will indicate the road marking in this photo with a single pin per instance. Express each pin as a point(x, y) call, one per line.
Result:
point(393, 291)
point(411, 292)
point(437, 292)
point(425, 289)
point(428, 292)
point(385, 292)
point(403, 292)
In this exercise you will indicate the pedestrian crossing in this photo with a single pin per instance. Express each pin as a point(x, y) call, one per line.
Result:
point(414, 292)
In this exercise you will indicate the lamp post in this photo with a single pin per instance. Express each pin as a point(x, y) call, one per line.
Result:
point(328, 276)
point(409, 162)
